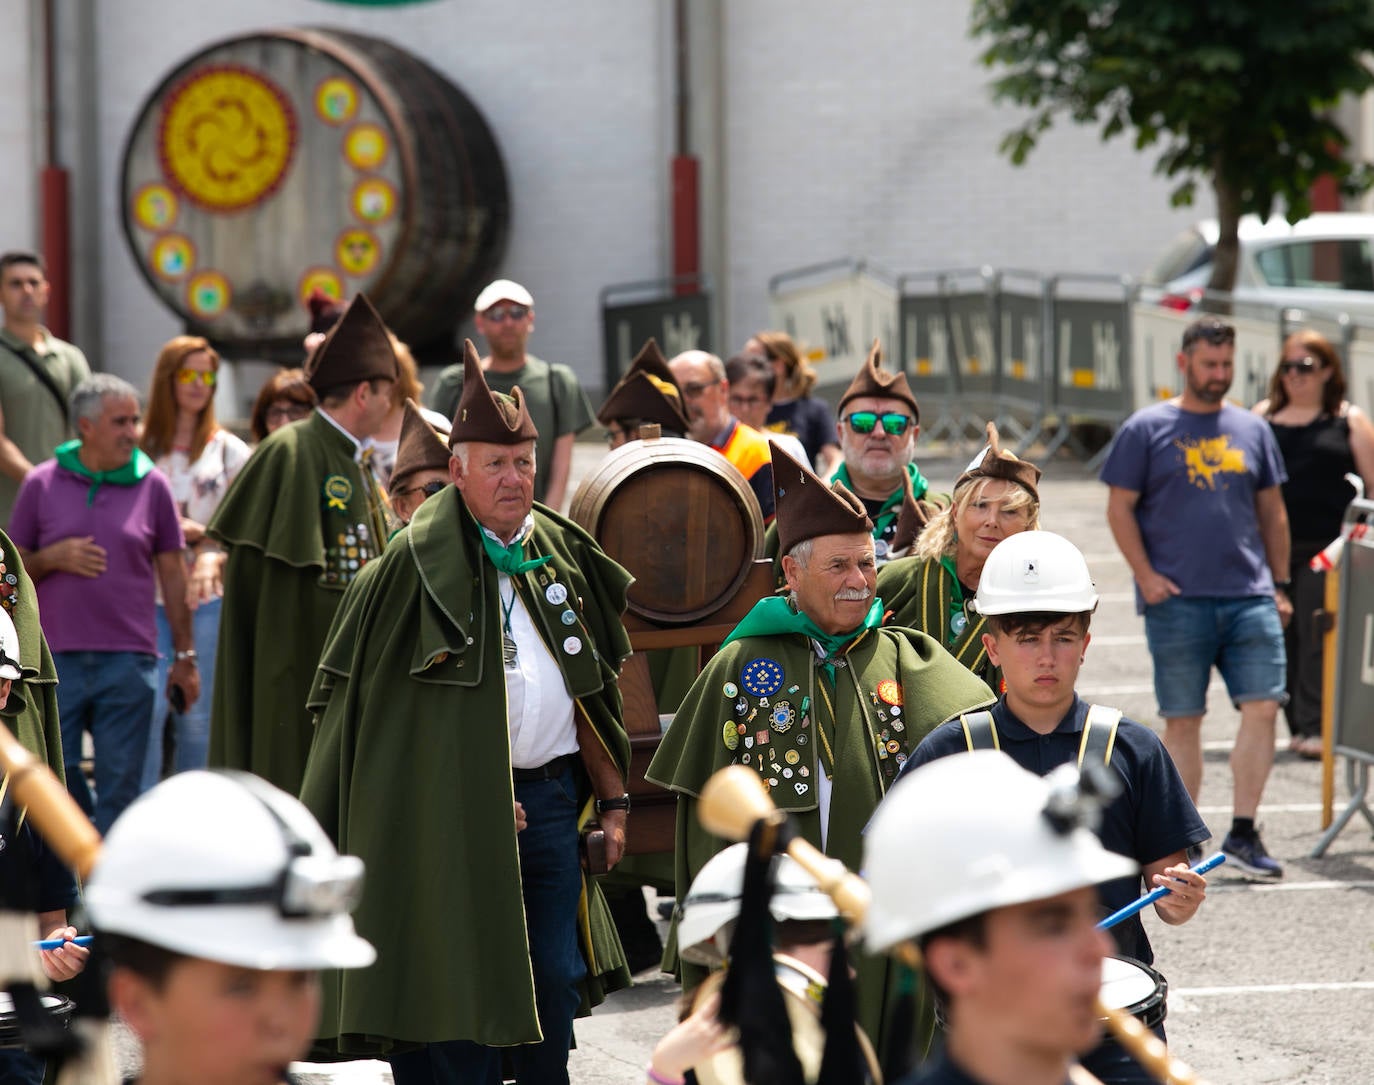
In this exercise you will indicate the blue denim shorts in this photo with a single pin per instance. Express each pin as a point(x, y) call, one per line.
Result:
point(1241, 637)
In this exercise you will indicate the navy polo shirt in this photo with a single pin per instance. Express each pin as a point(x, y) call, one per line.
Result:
point(32, 875)
point(1152, 818)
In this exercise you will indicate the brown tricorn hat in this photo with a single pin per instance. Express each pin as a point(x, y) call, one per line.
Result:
point(994, 461)
point(486, 416)
point(646, 392)
point(807, 507)
point(874, 381)
point(915, 514)
point(421, 447)
point(357, 348)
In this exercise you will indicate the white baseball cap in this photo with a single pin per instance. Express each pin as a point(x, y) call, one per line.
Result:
point(502, 290)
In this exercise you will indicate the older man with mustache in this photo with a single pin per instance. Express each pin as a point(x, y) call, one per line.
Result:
point(812, 693)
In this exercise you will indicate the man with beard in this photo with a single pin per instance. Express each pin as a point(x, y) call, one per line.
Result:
point(1197, 511)
point(879, 421)
point(812, 693)
point(706, 392)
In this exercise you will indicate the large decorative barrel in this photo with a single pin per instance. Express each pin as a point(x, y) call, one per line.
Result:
point(271, 165)
point(681, 518)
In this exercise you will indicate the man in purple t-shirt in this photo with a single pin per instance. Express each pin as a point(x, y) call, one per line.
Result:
point(1197, 512)
point(97, 527)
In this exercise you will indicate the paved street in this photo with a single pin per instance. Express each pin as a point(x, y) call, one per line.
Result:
point(1269, 983)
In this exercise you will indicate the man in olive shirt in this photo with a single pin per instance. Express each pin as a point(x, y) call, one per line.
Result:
point(37, 374)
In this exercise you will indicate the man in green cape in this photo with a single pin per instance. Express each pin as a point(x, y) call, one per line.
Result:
point(879, 421)
point(812, 693)
point(469, 715)
point(301, 519)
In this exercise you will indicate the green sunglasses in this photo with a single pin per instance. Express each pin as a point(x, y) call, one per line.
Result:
point(865, 421)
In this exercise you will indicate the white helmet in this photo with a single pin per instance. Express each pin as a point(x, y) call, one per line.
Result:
point(712, 903)
point(226, 867)
point(972, 832)
point(9, 647)
point(1035, 571)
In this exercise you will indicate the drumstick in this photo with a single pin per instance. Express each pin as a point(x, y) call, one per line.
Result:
point(734, 798)
point(1154, 894)
point(58, 943)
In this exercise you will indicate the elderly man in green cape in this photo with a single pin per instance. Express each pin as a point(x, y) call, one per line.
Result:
point(879, 421)
point(469, 722)
point(301, 519)
point(811, 693)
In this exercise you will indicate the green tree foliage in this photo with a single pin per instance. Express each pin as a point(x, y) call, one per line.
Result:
point(1236, 92)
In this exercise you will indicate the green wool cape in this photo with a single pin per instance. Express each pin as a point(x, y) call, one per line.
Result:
point(756, 704)
point(31, 711)
point(411, 772)
point(299, 522)
point(920, 595)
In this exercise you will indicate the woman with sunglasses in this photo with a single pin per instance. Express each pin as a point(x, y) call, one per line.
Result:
point(996, 496)
point(285, 397)
point(1322, 437)
point(794, 409)
point(200, 458)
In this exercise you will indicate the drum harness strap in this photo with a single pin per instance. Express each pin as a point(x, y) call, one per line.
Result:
point(1099, 732)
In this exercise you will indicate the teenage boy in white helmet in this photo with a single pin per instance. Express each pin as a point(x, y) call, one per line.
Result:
point(1038, 597)
point(217, 899)
point(803, 918)
point(1008, 928)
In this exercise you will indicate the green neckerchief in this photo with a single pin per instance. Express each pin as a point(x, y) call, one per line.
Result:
point(130, 474)
point(956, 601)
point(774, 615)
point(893, 505)
point(509, 559)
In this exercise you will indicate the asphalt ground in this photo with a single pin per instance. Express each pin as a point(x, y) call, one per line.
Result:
point(1268, 983)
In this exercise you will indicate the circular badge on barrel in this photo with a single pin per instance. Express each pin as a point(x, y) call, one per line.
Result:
point(762, 677)
point(890, 691)
point(207, 294)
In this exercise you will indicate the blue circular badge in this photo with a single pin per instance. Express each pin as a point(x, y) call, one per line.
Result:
point(762, 677)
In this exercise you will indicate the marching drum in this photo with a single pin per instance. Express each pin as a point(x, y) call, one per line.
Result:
point(55, 1005)
point(1136, 989)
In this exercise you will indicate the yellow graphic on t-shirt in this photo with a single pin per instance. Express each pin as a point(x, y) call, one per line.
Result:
point(1208, 457)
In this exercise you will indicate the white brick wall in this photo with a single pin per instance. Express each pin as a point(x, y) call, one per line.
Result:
point(861, 129)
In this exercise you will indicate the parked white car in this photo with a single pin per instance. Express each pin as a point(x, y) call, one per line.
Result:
point(1324, 263)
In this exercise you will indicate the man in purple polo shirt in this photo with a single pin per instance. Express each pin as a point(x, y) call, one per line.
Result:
point(96, 527)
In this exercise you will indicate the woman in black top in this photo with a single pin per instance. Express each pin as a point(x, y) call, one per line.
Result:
point(1322, 437)
point(795, 410)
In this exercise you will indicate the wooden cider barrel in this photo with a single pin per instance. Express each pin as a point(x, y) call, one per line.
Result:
point(269, 165)
point(681, 518)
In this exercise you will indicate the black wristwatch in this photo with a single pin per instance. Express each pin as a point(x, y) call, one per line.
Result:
point(1283, 585)
point(620, 802)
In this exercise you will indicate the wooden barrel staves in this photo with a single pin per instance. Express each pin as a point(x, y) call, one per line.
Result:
point(681, 518)
point(271, 165)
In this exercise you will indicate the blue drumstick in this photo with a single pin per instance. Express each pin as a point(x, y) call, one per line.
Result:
point(1154, 894)
point(58, 943)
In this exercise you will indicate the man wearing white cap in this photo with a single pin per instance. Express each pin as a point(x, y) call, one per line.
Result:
point(504, 316)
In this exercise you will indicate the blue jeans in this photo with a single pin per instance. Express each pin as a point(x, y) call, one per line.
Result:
point(109, 694)
point(18, 1067)
point(193, 725)
point(1242, 637)
point(551, 884)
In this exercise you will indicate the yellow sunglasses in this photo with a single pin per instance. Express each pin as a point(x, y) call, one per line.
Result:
point(196, 376)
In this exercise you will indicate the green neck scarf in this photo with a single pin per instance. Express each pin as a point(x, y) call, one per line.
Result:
point(893, 505)
point(774, 615)
point(130, 474)
point(509, 559)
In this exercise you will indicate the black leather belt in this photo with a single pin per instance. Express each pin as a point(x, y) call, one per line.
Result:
point(549, 771)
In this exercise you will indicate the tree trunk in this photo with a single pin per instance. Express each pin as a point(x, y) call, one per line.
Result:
point(1226, 258)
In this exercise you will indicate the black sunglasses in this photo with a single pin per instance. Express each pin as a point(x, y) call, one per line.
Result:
point(1302, 365)
point(1209, 328)
point(893, 422)
point(429, 489)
